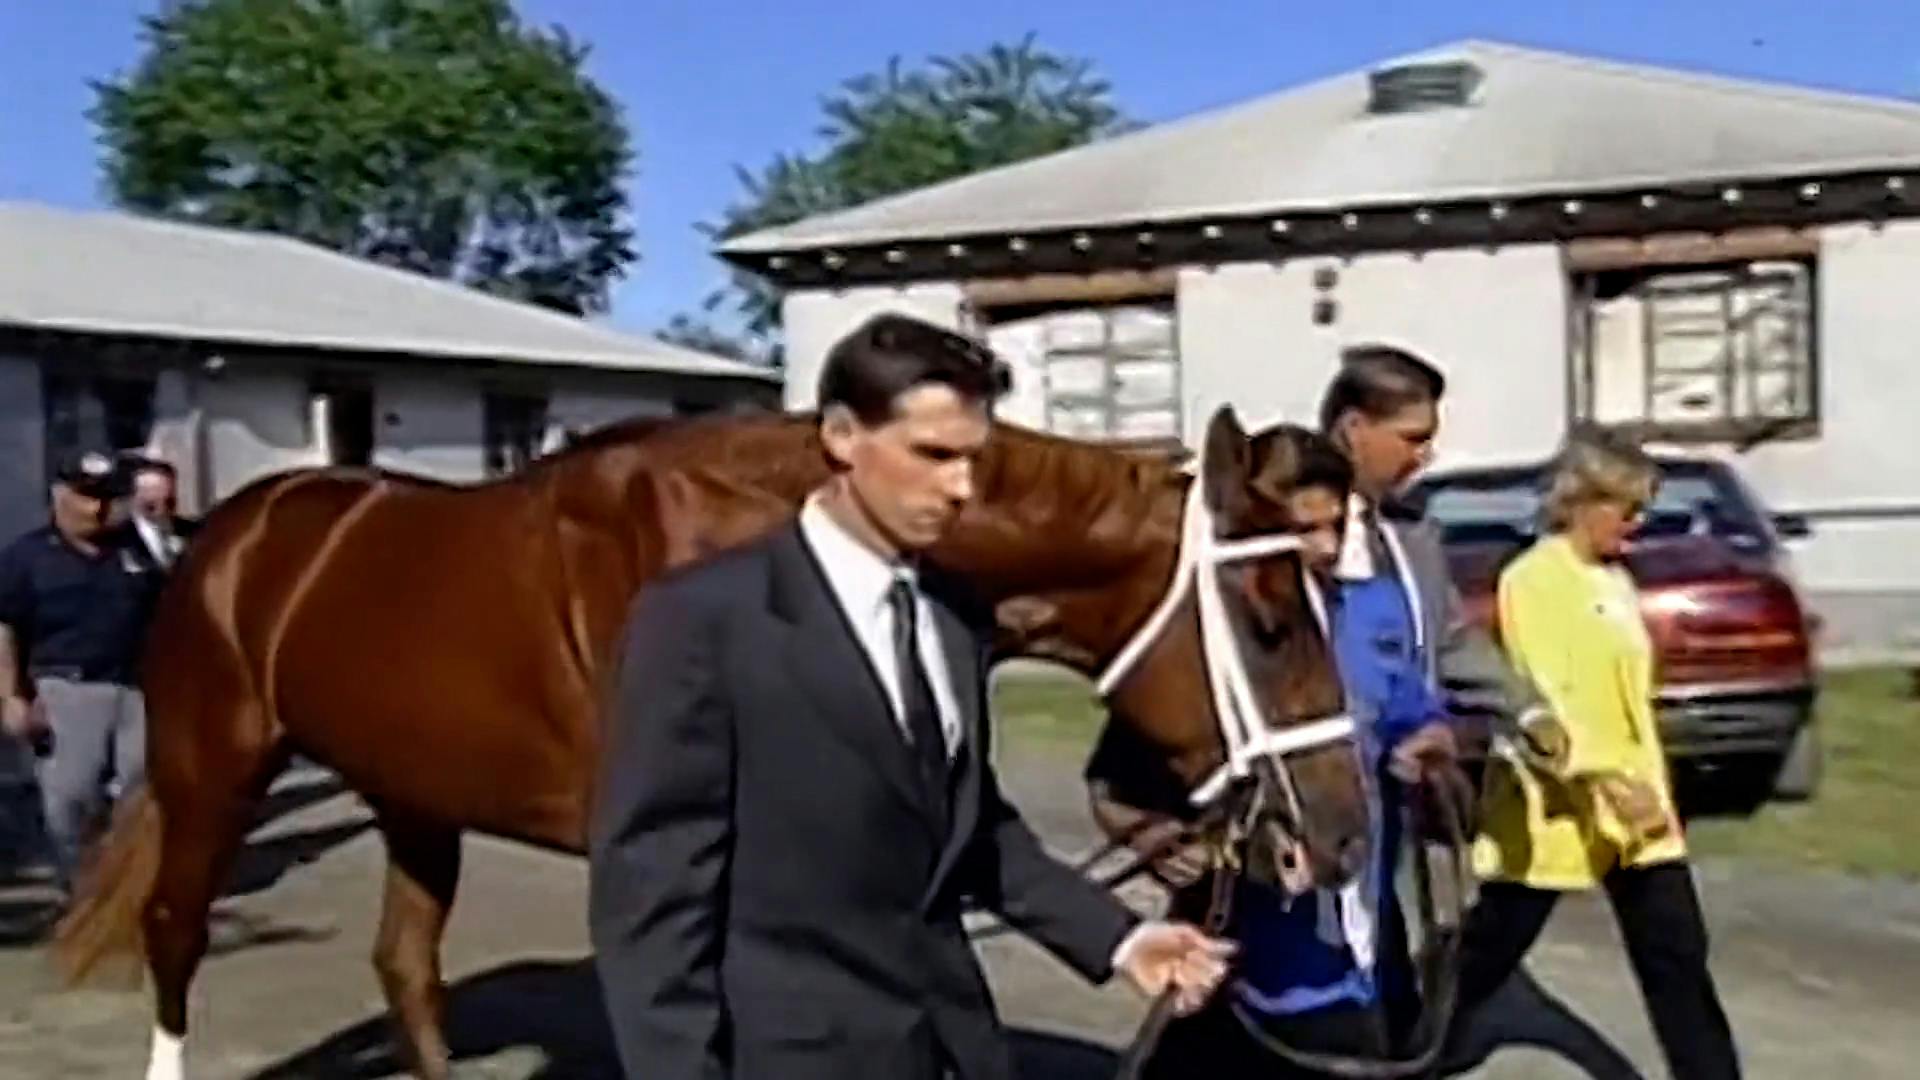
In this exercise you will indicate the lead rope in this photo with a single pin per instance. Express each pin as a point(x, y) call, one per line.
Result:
point(1219, 911)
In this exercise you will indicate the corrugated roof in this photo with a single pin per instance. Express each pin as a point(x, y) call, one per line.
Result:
point(1539, 123)
point(107, 272)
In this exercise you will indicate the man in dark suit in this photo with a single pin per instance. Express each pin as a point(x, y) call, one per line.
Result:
point(796, 792)
point(155, 507)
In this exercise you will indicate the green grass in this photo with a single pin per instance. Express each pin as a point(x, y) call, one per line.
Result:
point(1861, 822)
point(1056, 713)
point(1862, 819)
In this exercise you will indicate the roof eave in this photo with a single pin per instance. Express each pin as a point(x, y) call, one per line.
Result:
point(548, 359)
point(1811, 197)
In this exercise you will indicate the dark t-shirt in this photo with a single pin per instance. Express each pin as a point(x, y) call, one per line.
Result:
point(76, 615)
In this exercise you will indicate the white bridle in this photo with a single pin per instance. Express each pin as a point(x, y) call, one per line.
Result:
point(1236, 708)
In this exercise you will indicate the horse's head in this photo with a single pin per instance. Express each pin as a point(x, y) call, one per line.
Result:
point(1233, 674)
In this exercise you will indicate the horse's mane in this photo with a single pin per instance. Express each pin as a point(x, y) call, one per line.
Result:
point(1086, 478)
point(1040, 478)
point(1020, 459)
point(617, 433)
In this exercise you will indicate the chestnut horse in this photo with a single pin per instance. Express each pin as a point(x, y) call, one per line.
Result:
point(442, 649)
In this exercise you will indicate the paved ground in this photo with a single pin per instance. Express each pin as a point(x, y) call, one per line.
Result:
point(1818, 972)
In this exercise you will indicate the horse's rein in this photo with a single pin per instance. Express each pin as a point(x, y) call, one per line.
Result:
point(1219, 911)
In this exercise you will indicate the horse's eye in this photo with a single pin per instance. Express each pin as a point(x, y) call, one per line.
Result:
point(1266, 607)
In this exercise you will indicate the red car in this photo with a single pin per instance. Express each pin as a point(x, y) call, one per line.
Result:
point(1735, 673)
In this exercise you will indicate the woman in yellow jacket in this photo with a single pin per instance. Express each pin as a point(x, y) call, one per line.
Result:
point(1587, 800)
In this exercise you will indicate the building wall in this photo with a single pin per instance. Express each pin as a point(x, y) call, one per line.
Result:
point(814, 319)
point(1494, 322)
point(255, 422)
point(1863, 459)
point(23, 496)
point(1859, 478)
point(582, 407)
point(430, 426)
point(176, 433)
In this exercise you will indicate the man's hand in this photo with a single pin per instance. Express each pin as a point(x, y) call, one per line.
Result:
point(1157, 955)
point(22, 719)
point(1429, 747)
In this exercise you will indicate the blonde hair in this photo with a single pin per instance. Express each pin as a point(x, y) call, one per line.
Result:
point(1597, 465)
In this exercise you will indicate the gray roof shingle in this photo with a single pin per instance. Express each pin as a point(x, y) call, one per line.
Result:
point(1539, 123)
point(108, 272)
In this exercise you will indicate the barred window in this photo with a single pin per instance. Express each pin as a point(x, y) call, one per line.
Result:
point(1698, 352)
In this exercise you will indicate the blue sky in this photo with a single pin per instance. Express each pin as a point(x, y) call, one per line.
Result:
point(708, 84)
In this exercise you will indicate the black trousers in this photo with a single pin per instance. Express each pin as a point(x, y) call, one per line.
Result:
point(1659, 916)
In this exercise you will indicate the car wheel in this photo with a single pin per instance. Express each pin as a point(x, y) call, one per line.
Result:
point(1799, 773)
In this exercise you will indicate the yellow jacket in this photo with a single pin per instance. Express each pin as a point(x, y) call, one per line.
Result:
point(1573, 629)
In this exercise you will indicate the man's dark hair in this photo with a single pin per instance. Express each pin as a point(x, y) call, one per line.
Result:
point(138, 464)
point(868, 370)
point(1379, 380)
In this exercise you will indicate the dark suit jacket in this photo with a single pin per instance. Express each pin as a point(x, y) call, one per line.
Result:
point(183, 528)
point(769, 898)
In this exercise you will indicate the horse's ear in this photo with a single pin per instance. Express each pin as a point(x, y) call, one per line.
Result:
point(1225, 460)
point(1275, 463)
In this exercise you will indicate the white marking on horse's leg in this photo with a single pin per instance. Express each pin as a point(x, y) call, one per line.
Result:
point(168, 1058)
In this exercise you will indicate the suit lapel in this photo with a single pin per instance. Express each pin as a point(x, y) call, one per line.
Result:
point(825, 659)
point(966, 664)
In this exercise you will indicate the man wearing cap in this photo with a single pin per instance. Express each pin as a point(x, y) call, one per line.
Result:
point(74, 599)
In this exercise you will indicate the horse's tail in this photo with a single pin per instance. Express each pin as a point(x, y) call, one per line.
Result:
point(105, 921)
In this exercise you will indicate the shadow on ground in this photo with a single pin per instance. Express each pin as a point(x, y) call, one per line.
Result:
point(553, 1010)
point(29, 906)
point(1523, 1013)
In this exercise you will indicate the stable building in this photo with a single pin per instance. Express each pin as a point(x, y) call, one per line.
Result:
point(237, 354)
point(1702, 261)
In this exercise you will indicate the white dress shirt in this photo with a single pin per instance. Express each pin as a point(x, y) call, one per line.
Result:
point(859, 579)
point(164, 545)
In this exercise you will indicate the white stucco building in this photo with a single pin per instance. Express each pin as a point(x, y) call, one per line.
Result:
point(1701, 260)
point(235, 354)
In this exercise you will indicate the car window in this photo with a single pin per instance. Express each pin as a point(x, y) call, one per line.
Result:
point(1693, 499)
point(1485, 511)
point(1705, 500)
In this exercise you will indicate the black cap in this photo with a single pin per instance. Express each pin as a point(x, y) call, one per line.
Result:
point(92, 472)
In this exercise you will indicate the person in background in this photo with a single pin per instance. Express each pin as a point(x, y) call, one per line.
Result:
point(154, 505)
point(1593, 804)
point(74, 599)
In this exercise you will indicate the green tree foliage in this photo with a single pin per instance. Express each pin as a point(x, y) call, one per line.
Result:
point(904, 128)
point(438, 135)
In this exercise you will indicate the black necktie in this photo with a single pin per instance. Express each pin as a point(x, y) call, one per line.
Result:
point(916, 696)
